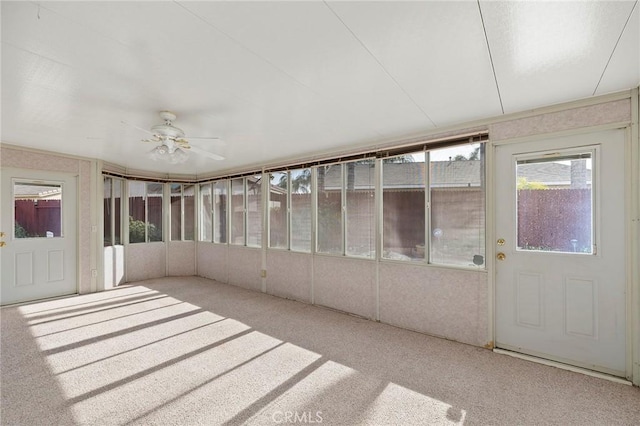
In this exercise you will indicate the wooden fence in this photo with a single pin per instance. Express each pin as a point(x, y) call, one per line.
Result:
point(555, 219)
point(35, 217)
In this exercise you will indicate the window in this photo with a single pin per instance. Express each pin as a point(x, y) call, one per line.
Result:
point(107, 207)
point(237, 211)
point(37, 210)
point(360, 208)
point(330, 220)
point(301, 203)
point(220, 211)
point(403, 207)
point(279, 210)
point(254, 210)
point(206, 212)
point(145, 212)
point(555, 203)
point(457, 199)
point(112, 211)
point(346, 208)
point(290, 210)
point(154, 211)
point(182, 212)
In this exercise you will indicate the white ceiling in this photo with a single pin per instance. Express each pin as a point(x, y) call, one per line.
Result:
point(281, 80)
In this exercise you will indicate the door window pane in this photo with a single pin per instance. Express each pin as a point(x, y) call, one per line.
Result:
point(220, 212)
point(37, 210)
point(301, 202)
point(555, 204)
point(330, 184)
point(278, 208)
point(360, 213)
point(457, 199)
point(403, 207)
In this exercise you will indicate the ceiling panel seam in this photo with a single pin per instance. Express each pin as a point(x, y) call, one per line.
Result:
point(267, 61)
point(493, 68)
point(39, 55)
point(83, 25)
point(251, 51)
point(235, 41)
point(613, 51)
point(380, 64)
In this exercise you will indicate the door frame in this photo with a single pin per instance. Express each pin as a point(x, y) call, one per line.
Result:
point(47, 176)
point(632, 217)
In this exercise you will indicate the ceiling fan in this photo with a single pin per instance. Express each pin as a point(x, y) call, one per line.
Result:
point(172, 142)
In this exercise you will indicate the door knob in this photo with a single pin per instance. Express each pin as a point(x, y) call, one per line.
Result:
point(501, 256)
point(2, 244)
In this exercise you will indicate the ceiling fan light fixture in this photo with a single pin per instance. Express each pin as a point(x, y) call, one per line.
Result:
point(163, 153)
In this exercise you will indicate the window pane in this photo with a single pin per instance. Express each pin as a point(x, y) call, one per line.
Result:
point(278, 229)
point(176, 212)
point(301, 202)
point(403, 205)
point(188, 195)
point(154, 211)
point(37, 209)
point(457, 205)
point(137, 202)
point(254, 211)
point(106, 211)
point(220, 212)
point(361, 206)
point(206, 213)
point(555, 204)
point(330, 209)
point(237, 211)
point(116, 185)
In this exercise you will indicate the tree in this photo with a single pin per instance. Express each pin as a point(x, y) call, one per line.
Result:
point(473, 155)
point(523, 183)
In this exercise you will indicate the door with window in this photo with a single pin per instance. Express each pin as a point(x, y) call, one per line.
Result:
point(38, 225)
point(560, 250)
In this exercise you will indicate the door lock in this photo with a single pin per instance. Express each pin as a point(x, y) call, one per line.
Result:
point(500, 241)
point(501, 256)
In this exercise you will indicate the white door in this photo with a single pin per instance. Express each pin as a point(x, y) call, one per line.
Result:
point(39, 226)
point(560, 249)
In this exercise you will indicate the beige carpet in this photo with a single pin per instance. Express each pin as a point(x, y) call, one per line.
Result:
point(192, 351)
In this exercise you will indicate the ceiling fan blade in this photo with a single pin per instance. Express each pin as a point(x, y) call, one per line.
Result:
point(136, 127)
point(205, 153)
point(209, 139)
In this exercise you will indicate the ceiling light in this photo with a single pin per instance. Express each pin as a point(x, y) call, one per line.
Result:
point(164, 153)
